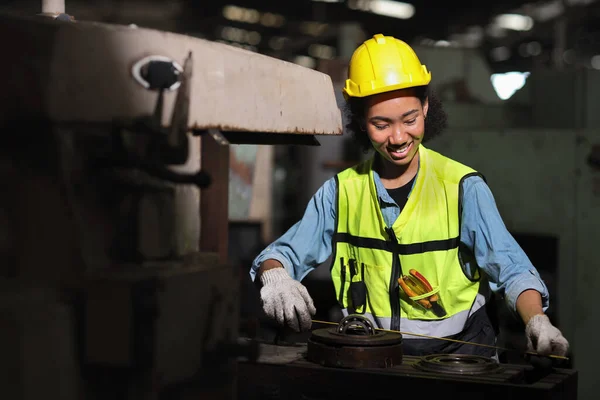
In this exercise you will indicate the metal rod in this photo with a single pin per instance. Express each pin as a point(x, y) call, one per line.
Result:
point(53, 6)
point(452, 340)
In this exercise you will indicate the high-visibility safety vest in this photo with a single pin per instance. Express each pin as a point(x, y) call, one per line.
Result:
point(425, 237)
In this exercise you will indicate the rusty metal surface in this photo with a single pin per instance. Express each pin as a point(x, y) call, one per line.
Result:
point(354, 343)
point(303, 379)
point(354, 356)
point(81, 72)
point(459, 364)
point(332, 337)
point(274, 354)
point(356, 330)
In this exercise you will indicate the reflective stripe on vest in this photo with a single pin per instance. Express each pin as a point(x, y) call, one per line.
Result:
point(425, 237)
point(440, 328)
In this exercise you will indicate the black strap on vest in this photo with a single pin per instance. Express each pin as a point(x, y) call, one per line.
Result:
point(402, 249)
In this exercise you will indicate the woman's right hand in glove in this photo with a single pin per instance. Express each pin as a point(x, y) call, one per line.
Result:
point(286, 300)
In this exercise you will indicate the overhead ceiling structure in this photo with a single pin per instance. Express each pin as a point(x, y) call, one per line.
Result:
point(514, 35)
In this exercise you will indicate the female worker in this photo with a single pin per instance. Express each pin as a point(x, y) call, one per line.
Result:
point(409, 230)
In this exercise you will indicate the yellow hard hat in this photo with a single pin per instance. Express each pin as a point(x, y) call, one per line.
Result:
point(382, 64)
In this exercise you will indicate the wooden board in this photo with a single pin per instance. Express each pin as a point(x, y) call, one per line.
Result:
point(81, 72)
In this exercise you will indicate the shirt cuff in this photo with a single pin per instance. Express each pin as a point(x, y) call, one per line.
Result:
point(528, 281)
point(271, 256)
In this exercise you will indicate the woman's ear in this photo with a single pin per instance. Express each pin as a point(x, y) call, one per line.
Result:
point(425, 107)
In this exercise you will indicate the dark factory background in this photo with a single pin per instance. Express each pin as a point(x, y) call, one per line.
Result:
point(519, 81)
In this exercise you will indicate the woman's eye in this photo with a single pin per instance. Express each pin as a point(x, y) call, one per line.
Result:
point(380, 127)
point(410, 122)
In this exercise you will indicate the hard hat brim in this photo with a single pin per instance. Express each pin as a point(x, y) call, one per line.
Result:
point(348, 92)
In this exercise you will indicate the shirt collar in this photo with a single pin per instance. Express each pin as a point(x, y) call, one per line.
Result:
point(382, 193)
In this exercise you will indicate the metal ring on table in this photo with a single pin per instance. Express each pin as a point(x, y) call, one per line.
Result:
point(355, 324)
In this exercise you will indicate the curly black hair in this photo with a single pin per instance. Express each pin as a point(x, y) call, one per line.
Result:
point(436, 122)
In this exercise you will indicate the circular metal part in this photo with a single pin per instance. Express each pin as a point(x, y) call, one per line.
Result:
point(356, 330)
point(354, 356)
point(332, 337)
point(356, 325)
point(458, 364)
point(355, 343)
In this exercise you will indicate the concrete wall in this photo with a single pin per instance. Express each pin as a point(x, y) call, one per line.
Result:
point(543, 186)
point(449, 64)
point(585, 318)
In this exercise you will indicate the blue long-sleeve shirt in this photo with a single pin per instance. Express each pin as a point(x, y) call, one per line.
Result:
point(510, 272)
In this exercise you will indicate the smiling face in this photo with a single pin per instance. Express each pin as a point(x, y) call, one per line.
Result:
point(395, 123)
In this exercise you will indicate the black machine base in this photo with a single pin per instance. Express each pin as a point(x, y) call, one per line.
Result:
point(285, 373)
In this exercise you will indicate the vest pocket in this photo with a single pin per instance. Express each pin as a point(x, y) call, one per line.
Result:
point(375, 279)
point(358, 296)
point(357, 287)
point(424, 298)
point(342, 293)
point(354, 295)
point(428, 304)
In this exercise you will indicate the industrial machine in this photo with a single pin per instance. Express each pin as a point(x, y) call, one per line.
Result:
point(114, 209)
point(354, 359)
point(114, 215)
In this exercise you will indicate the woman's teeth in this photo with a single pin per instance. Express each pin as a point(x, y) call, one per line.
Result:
point(400, 150)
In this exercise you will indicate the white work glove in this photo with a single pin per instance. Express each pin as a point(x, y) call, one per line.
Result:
point(544, 338)
point(286, 300)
